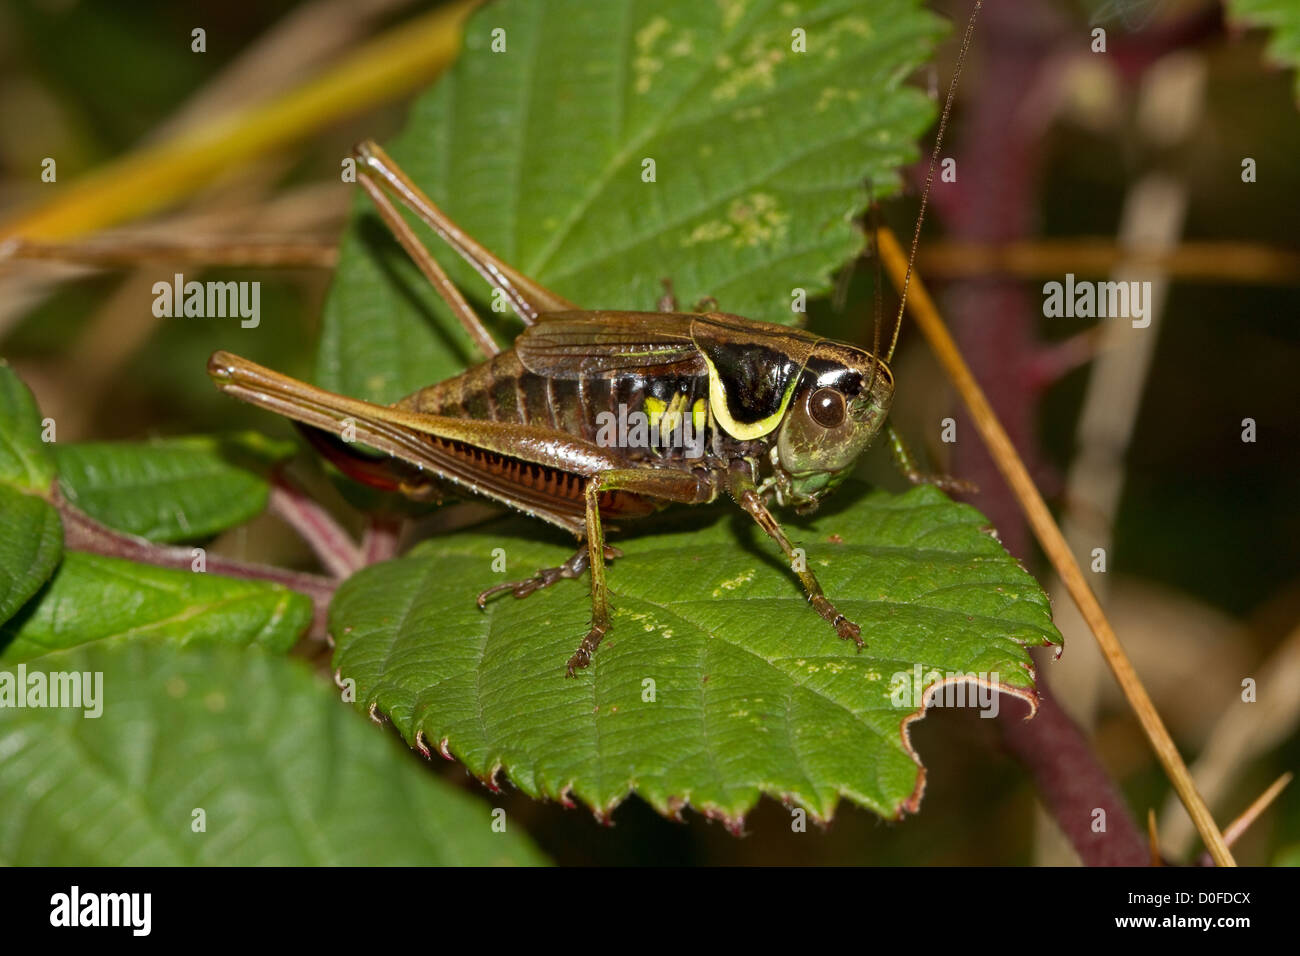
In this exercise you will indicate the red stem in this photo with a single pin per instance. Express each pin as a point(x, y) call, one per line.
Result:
point(83, 533)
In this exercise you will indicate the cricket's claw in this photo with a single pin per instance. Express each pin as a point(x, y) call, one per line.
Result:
point(848, 631)
point(483, 596)
point(521, 589)
point(580, 658)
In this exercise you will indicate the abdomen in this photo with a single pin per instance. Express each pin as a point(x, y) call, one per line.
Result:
point(502, 390)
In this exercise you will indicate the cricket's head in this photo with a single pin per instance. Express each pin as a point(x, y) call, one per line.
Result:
point(840, 403)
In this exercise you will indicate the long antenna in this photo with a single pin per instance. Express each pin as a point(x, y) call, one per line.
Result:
point(929, 176)
point(877, 283)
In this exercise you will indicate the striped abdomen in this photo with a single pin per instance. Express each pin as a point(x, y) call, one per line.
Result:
point(502, 390)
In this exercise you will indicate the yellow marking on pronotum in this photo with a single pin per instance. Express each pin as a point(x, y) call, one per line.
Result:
point(752, 430)
point(699, 414)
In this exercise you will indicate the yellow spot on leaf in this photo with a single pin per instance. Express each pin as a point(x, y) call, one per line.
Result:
point(646, 64)
point(645, 37)
point(831, 94)
point(757, 71)
point(732, 11)
point(710, 231)
point(751, 220)
point(743, 578)
point(684, 45)
point(858, 26)
point(758, 218)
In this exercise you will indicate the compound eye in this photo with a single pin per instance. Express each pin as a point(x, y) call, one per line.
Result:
point(826, 406)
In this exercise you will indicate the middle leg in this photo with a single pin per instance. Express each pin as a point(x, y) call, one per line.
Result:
point(660, 484)
point(747, 497)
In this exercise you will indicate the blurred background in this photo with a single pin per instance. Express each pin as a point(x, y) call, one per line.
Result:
point(1123, 164)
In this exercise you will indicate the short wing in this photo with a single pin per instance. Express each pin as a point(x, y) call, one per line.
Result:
point(572, 345)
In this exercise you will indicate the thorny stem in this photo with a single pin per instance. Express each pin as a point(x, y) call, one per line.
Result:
point(83, 533)
point(1053, 362)
point(1072, 785)
point(1049, 536)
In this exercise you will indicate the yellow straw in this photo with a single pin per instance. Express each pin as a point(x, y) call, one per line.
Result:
point(156, 176)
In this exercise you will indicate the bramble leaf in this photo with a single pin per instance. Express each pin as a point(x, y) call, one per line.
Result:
point(727, 147)
point(172, 489)
point(25, 461)
point(761, 154)
point(717, 682)
point(30, 547)
point(213, 757)
point(32, 537)
point(94, 599)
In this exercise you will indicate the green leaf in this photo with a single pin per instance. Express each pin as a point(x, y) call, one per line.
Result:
point(761, 157)
point(32, 539)
point(1282, 17)
point(25, 461)
point(174, 489)
point(753, 692)
point(29, 547)
point(95, 599)
point(284, 774)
